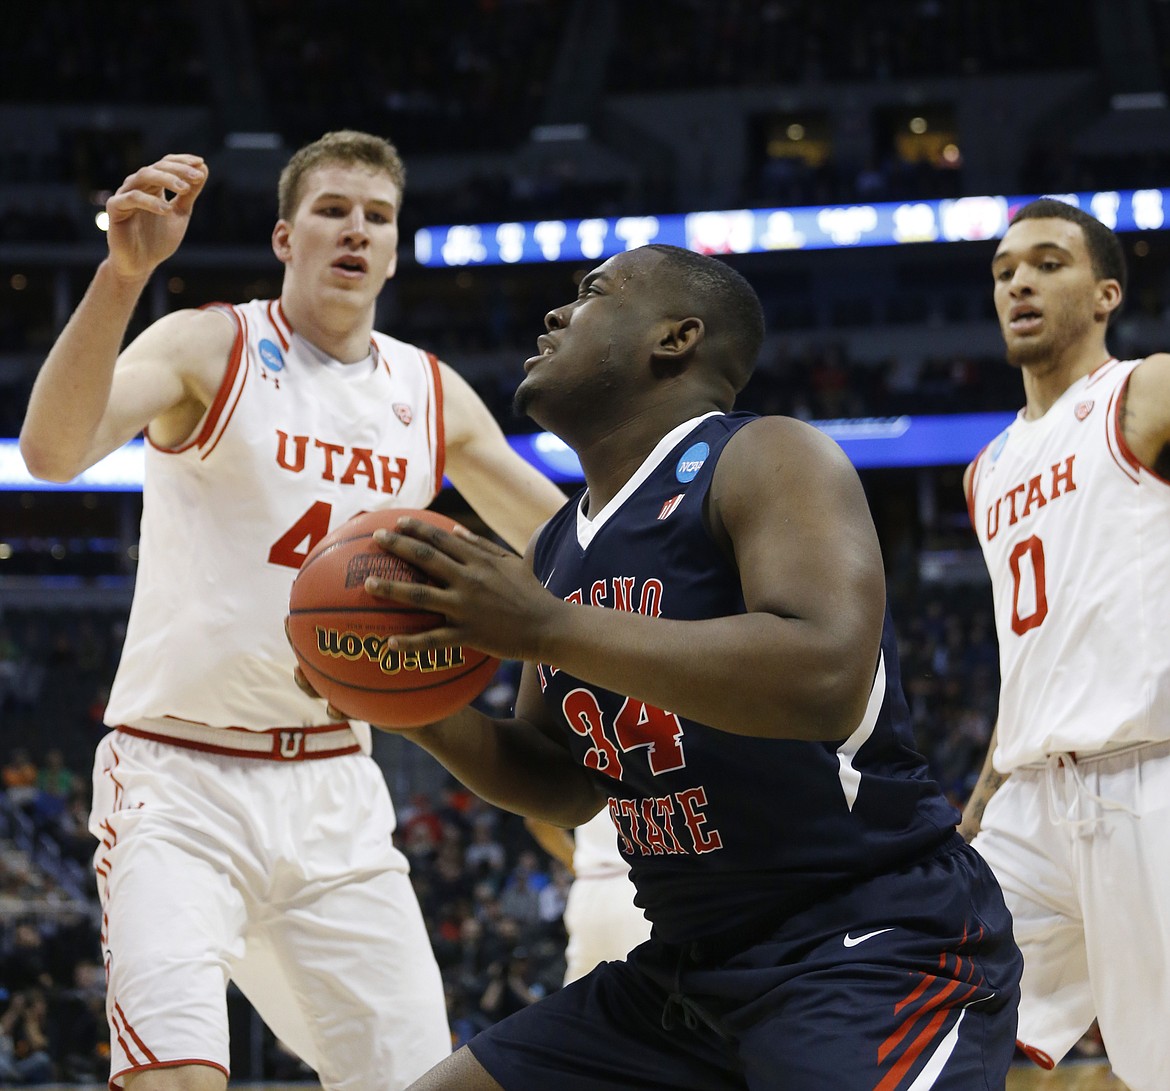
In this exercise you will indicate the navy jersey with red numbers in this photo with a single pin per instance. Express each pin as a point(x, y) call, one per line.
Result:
point(724, 831)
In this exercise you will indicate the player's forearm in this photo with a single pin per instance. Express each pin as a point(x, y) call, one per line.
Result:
point(989, 782)
point(511, 765)
point(748, 674)
point(72, 390)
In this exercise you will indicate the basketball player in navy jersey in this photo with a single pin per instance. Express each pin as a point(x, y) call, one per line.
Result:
point(708, 655)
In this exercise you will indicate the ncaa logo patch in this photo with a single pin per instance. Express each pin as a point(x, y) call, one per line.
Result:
point(691, 462)
point(271, 355)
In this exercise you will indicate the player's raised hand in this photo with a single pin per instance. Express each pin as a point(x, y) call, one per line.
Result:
point(150, 211)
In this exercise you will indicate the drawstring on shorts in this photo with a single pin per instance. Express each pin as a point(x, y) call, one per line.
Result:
point(1060, 812)
point(677, 1001)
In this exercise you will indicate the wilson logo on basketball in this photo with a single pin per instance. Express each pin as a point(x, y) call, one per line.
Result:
point(403, 412)
point(351, 646)
point(1083, 409)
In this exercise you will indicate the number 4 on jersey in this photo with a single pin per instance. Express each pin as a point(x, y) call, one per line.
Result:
point(296, 543)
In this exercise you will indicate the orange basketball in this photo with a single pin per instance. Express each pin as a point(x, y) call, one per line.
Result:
point(339, 632)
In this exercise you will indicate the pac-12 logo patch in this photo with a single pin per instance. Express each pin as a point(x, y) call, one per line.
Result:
point(691, 462)
point(1083, 409)
point(271, 355)
point(403, 412)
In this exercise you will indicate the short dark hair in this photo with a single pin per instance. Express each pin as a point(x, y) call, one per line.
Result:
point(726, 302)
point(1105, 252)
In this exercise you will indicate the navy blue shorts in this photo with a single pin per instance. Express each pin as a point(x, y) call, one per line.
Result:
point(906, 980)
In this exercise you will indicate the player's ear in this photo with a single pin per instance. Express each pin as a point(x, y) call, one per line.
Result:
point(1108, 297)
point(281, 241)
point(680, 338)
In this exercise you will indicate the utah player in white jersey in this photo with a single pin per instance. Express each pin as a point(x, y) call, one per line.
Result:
point(601, 920)
point(1071, 505)
point(244, 834)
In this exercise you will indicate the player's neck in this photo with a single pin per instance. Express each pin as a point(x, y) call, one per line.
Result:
point(611, 458)
point(1046, 380)
point(339, 331)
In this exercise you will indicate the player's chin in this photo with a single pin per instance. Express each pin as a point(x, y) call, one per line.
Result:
point(522, 399)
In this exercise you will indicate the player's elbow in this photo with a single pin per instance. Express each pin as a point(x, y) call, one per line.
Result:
point(45, 462)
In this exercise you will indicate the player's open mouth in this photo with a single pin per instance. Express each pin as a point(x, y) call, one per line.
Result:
point(1024, 320)
point(546, 346)
point(350, 266)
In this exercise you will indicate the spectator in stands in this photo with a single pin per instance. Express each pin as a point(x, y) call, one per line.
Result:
point(24, 1040)
point(23, 966)
point(19, 776)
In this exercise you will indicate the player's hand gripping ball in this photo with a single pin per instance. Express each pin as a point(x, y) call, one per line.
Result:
point(339, 632)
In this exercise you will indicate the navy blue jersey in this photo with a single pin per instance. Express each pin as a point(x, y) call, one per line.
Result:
point(723, 831)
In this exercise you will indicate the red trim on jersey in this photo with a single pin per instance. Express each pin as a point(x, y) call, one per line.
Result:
point(1036, 1056)
point(285, 329)
point(279, 322)
point(440, 434)
point(226, 387)
point(1118, 449)
point(1126, 451)
point(200, 437)
point(1099, 372)
point(971, 491)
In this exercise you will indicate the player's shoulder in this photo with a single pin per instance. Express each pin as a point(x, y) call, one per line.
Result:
point(773, 444)
point(395, 346)
point(185, 336)
point(1150, 379)
point(214, 323)
point(1148, 402)
point(1157, 364)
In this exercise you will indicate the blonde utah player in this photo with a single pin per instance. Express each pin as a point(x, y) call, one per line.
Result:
point(244, 834)
point(1071, 505)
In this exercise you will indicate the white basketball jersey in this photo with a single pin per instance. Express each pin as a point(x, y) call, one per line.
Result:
point(1076, 535)
point(294, 444)
point(595, 851)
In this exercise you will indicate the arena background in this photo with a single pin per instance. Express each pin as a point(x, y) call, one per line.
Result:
point(881, 146)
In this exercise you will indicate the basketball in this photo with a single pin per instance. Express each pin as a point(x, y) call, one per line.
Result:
point(339, 632)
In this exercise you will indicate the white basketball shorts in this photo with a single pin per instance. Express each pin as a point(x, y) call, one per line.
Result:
point(279, 876)
point(1081, 848)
